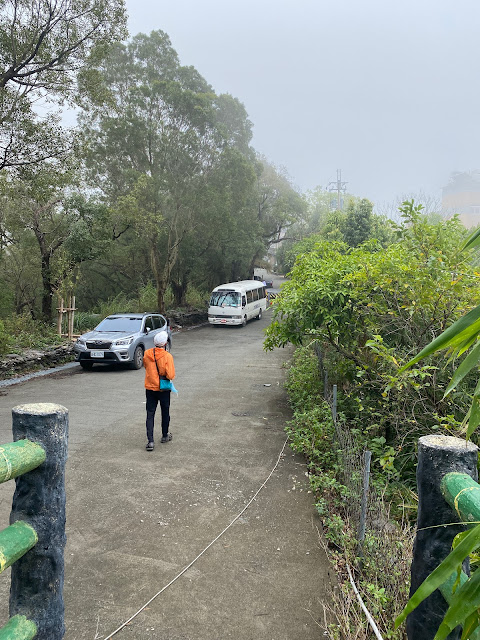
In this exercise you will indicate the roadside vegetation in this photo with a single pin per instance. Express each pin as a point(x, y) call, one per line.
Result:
point(154, 197)
point(361, 311)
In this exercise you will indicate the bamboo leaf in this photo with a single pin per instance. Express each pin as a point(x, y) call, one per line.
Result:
point(463, 605)
point(459, 537)
point(465, 367)
point(461, 348)
point(472, 241)
point(466, 338)
point(442, 572)
point(474, 418)
point(459, 330)
point(469, 626)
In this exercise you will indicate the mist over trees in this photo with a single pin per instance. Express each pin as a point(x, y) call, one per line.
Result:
point(158, 185)
point(321, 222)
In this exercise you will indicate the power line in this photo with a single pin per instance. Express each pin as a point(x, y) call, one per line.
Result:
point(338, 186)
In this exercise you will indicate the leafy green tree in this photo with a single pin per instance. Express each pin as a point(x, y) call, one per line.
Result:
point(357, 225)
point(53, 228)
point(459, 338)
point(279, 207)
point(218, 248)
point(153, 149)
point(44, 45)
point(370, 308)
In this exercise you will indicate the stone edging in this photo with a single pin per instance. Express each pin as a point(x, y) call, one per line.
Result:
point(34, 358)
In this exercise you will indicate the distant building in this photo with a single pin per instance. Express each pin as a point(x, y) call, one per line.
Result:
point(462, 196)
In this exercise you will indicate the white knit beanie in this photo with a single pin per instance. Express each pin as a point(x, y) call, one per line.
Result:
point(160, 339)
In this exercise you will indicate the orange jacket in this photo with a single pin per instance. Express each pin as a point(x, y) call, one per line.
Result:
point(165, 367)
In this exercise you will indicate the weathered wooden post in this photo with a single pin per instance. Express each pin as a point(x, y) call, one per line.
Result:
point(37, 577)
point(60, 317)
point(367, 457)
point(72, 319)
point(437, 456)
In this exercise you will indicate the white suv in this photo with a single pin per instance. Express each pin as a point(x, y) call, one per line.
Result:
point(121, 337)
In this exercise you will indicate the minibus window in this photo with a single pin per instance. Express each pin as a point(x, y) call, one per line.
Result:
point(249, 297)
point(255, 294)
point(225, 299)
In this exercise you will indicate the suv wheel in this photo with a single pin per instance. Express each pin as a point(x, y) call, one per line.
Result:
point(168, 346)
point(137, 361)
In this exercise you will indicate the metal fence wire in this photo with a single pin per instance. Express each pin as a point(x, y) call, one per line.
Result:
point(382, 544)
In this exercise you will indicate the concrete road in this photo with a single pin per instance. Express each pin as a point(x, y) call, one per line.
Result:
point(136, 519)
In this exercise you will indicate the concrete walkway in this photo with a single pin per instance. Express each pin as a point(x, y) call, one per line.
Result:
point(136, 519)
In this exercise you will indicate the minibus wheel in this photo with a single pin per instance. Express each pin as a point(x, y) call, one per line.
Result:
point(244, 321)
point(259, 317)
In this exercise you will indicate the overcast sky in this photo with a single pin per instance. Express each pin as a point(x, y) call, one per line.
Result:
point(386, 91)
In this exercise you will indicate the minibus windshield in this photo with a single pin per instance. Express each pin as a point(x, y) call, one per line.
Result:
point(225, 299)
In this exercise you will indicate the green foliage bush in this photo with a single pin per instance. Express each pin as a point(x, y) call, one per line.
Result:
point(312, 432)
point(370, 309)
point(84, 321)
point(23, 332)
point(146, 300)
point(6, 339)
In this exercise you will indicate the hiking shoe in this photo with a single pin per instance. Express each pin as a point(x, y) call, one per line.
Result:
point(166, 438)
point(149, 446)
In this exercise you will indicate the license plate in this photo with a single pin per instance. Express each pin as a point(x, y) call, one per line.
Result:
point(97, 354)
point(223, 321)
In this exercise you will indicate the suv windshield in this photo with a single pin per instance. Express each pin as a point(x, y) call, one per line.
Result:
point(225, 299)
point(114, 323)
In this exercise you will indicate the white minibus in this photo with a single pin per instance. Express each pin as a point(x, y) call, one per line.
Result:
point(237, 302)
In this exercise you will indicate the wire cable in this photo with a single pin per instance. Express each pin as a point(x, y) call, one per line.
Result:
point(122, 626)
point(364, 608)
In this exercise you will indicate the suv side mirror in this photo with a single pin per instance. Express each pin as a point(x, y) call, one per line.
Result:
point(147, 329)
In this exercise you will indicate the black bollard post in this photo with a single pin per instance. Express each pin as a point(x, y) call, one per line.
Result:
point(37, 578)
point(437, 455)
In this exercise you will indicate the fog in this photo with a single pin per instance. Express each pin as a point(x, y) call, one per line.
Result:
point(388, 92)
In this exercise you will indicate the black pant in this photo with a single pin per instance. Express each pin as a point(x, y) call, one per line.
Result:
point(153, 398)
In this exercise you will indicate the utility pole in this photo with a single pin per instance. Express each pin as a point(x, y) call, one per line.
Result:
point(339, 187)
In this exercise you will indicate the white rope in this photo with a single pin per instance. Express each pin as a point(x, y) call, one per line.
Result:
point(365, 610)
point(202, 552)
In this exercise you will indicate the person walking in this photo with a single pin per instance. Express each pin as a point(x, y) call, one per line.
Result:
point(158, 364)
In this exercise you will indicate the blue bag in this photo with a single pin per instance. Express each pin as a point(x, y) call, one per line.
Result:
point(165, 384)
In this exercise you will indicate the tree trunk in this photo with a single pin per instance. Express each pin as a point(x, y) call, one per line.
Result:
point(160, 298)
point(253, 263)
point(157, 271)
point(47, 289)
point(179, 292)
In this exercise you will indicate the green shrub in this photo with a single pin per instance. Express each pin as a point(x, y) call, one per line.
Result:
point(336, 487)
point(304, 385)
point(85, 321)
point(26, 333)
point(6, 339)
